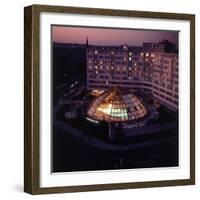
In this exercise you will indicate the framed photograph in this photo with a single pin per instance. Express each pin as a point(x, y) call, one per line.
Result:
point(109, 99)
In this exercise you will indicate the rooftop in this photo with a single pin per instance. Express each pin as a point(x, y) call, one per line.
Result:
point(114, 106)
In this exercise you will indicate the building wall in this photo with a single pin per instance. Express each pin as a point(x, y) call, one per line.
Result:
point(154, 71)
point(165, 79)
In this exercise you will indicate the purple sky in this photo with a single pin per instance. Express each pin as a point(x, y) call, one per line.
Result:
point(102, 36)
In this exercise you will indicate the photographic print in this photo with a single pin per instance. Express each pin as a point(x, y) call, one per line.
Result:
point(115, 98)
point(109, 99)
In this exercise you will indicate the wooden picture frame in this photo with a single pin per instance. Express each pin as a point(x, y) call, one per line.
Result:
point(32, 106)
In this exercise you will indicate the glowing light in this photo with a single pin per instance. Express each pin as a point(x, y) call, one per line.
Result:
point(113, 106)
point(113, 112)
point(91, 120)
point(120, 113)
point(96, 92)
point(96, 52)
point(106, 109)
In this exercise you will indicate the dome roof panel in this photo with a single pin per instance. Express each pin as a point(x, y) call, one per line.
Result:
point(113, 106)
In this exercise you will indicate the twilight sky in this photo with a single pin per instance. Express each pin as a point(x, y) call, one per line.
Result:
point(102, 36)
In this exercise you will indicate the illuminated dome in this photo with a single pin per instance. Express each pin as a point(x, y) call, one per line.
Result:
point(112, 106)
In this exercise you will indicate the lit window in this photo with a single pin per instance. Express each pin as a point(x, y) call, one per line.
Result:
point(96, 72)
point(101, 67)
point(101, 62)
point(112, 52)
point(135, 64)
point(152, 55)
point(129, 78)
point(107, 67)
point(124, 68)
point(90, 67)
point(142, 54)
point(106, 82)
point(147, 54)
point(96, 67)
point(130, 53)
point(130, 58)
point(129, 68)
point(96, 52)
point(112, 67)
point(146, 59)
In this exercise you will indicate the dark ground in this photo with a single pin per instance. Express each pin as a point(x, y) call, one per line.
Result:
point(70, 154)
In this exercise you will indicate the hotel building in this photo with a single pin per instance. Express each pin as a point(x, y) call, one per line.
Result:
point(148, 68)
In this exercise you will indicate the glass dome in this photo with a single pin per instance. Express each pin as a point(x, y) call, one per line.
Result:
point(112, 106)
